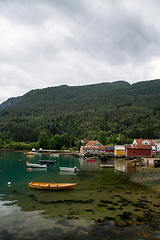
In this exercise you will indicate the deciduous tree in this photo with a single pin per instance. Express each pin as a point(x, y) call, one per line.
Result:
point(43, 140)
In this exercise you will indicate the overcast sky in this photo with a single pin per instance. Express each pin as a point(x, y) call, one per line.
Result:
point(47, 43)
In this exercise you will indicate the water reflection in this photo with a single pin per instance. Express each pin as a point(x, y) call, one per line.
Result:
point(100, 194)
point(125, 166)
point(67, 173)
point(36, 169)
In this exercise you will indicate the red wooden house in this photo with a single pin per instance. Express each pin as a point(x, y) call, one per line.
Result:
point(146, 142)
point(138, 150)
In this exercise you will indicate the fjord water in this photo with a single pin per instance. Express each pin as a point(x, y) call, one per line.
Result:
point(102, 195)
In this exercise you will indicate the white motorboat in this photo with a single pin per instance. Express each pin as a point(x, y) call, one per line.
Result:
point(67, 169)
point(36, 165)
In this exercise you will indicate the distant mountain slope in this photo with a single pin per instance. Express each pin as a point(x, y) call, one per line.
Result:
point(118, 108)
point(9, 102)
point(64, 98)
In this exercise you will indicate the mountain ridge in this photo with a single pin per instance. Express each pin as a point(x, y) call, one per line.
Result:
point(118, 108)
point(61, 87)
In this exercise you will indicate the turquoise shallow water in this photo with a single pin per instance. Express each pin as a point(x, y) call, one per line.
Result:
point(89, 211)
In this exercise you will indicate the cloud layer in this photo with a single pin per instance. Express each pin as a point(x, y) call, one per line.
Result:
point(50, 43)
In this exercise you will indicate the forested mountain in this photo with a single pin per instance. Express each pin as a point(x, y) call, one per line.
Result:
point(121, 110)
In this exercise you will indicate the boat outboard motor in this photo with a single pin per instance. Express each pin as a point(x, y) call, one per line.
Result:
point(76, 169)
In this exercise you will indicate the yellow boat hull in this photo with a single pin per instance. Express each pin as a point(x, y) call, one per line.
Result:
point(53, 186)
point(30, 153)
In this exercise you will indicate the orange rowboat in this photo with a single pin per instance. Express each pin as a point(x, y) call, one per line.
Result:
point(53, 186)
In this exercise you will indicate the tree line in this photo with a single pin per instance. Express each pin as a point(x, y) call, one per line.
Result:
point(60, 142)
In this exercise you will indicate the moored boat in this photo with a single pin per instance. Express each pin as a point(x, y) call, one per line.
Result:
point(49, 161)
point(30, 153)
point(67, 169)
point(36, 165)
point(53, 186)
point(91, 159)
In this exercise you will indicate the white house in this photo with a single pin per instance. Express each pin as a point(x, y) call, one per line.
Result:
point(92, 149)
point(157, 143)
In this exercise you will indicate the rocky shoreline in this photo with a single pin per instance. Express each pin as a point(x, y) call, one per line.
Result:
point(147, 176)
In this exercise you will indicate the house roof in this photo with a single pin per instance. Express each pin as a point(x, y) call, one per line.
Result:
point(138, 146)
point(119, 147)
point(98, 147)
point(109, 147)
point(93, 143)
point(140, 141)
point(101, 148)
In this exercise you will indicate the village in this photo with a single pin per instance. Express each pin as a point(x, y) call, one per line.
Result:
point(146, 149)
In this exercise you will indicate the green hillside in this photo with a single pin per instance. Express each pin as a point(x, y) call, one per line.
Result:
point(122, 111)
point(64, 99)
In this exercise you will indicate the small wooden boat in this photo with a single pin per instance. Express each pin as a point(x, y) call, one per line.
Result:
point(36, 165)
point(52, 186)
point(30, 153)
point(90, 159)
point(49, 161)
point(67, 169)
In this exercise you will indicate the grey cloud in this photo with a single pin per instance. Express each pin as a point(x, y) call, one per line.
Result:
point(49, 43)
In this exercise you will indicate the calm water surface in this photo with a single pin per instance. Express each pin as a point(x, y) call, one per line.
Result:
point(104, 205)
